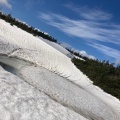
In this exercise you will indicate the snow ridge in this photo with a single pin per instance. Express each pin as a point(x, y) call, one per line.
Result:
point(17, 43)
point(37, 51)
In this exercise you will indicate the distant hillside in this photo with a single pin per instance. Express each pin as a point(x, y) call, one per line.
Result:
point(103, 74)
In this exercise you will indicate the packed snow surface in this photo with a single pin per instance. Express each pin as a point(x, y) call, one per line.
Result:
point(21, 101)
point(51, 73)
point(58, 47)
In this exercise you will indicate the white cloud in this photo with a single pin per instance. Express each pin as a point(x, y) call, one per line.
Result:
point(30, 3)
point(82, 28)
point(94, 14)
point(84, 54)
point(81, 52)
point(92, 25)
point(5, 3)
point(107, 51)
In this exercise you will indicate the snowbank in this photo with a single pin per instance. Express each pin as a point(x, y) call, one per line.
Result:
point(58, 47)
point(21, 101)
point(60, 89)
point(35, 50)
point(15, 42)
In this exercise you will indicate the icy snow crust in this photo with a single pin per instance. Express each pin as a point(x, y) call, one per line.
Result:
point(59, 89)
point(25, 46)
point(83, 97)
point(21, 101)
point(57, 47)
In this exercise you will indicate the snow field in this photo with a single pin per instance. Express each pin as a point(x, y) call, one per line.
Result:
point(61, 90)
point(41, 53)
point(15, 42)
point(57, 47)
point(21, 101)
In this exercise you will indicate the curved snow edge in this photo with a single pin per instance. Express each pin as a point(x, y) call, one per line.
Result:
point(35, 50)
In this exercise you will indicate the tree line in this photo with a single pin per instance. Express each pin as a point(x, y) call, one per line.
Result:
point(8, 18)
point(103, 74)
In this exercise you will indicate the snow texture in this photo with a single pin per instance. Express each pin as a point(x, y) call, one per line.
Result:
point(51, 72)
point(57, 47)
point(78, 58)
point(59, 89)
point(21, 101)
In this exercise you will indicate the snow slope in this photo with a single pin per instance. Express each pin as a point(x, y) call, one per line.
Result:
point(26, 46)
point(21, 101)
point(57, 47)
point(59, 89)
point(89, 100)
point(60, 48)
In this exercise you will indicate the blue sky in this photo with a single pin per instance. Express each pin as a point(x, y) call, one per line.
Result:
point(92, 27)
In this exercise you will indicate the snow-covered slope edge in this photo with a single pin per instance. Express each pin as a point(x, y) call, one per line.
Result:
point(60, 89)
point(15, 42)
point(21, 101)
point(57, 47)
point(60, 48)
point(30, 48)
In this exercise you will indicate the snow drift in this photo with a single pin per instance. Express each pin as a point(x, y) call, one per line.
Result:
point(44, 75)
point(57, 47)
point(21, 101)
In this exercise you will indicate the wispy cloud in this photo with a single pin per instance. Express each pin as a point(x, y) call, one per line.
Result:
point(107, 51)
point(30, 3)
point(82, 28)
point(5, 3)
point(94, 14)
point(93, 26)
